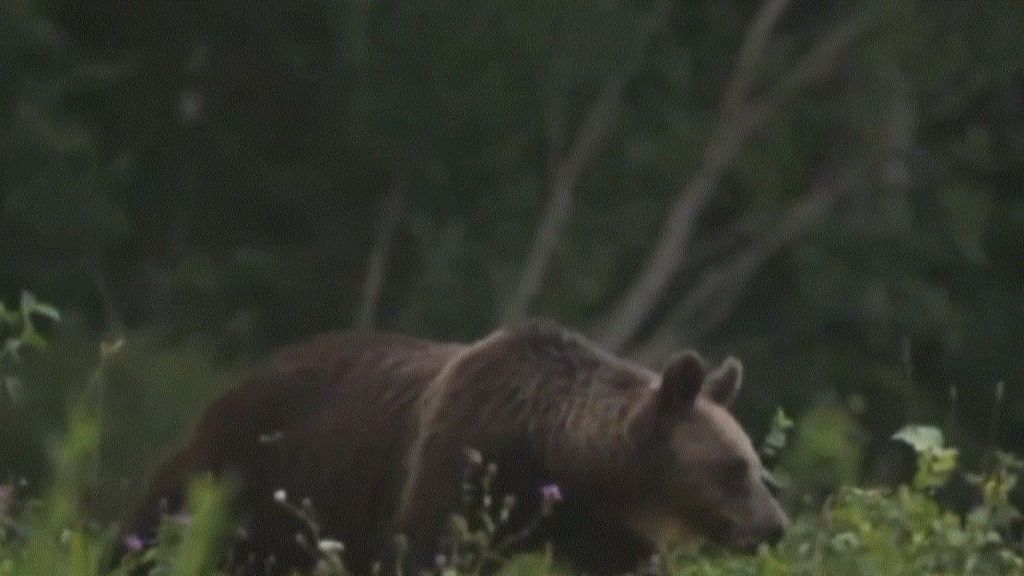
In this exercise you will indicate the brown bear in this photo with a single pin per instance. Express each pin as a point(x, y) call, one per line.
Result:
point(372, 429)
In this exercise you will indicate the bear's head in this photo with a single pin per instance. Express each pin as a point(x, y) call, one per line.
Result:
point(658, 455)
point(703, 474)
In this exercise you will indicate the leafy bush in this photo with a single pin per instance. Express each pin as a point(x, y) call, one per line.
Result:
point(18, 331)
point(901, 531)
point(867, 532)
point(904, 531)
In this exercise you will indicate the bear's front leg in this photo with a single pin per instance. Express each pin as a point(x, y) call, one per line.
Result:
point(431, 495)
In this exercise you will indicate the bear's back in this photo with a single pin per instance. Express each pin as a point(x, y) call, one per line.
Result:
point(327, 420)
point(333, 389)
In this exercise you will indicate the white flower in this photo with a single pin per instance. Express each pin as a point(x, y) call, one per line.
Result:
point(330, 547)
point(280, 496)
point(474, 456)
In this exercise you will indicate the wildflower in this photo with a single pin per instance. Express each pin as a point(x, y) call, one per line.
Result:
point(440, 560)
point(280, 496)
point(654, 566)
point(133, 543)
point(270, 437)
point(181, 518)
point(507, 504)
point(401, 545)
point(552, 494)
point(330, 547)
point(474, 456)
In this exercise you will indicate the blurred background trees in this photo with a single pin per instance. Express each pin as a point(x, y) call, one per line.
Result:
point(831, 192)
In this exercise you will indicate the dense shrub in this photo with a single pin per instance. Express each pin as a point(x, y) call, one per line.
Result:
point(901, 531)
point(904, 531)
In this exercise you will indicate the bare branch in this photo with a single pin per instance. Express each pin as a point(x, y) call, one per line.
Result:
point(630, 311)
point(555, 131)
point(712, 300)
point(565, 175)
point(725, 240)
point(730, 134)
point(979, 83)
point(821, 61)
point(590, 138)
point(388, 219)
point(752, 50)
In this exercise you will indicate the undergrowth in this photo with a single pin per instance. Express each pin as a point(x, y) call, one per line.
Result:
point(857, 531)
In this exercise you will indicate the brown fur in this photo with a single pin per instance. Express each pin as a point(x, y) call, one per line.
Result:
point(372, 428)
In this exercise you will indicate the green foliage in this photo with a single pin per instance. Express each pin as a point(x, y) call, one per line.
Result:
point(164, 178)
point(151, 392)
point(480, 538)
point(997, 489)
point(195, 549)
point(17, 332)
point(775, 441)
point(826, 453)
point(935, 462)
point(58, 539)
point(901, 532)
point(778, 435)
point(55, 535)
point(857, 532)
point(207, 184)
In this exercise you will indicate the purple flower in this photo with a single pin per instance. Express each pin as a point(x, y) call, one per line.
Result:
point(440, 560)
point(552, 493)
point(133, 543)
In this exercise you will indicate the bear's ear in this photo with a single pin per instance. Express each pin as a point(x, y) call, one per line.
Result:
point(681, 382)
point(725, 382)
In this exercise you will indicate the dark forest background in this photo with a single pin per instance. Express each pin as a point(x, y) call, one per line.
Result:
point(830, 191)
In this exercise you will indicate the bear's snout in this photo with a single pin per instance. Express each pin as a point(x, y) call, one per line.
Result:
point(769, 528)
point(751, 540)
point(774, 532)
